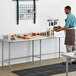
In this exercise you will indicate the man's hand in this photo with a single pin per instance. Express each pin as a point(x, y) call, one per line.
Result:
point(58, 30)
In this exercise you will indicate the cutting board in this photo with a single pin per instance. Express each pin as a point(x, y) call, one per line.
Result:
point(30, 37)
point(38, 36)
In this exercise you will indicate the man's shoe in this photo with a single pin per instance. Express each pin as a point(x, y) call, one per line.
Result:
point(74, 62)
point(64, 63)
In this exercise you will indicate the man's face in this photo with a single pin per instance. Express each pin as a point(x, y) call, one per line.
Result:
point(67, 11)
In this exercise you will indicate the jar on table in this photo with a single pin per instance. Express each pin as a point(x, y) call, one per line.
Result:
point(49, 32)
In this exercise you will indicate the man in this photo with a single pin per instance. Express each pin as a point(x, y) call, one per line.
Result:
point(70, 31)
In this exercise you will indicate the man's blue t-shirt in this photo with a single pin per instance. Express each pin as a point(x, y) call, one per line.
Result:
point(70, 21)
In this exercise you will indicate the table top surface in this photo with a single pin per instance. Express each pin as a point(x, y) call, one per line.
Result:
point(70, 55)
point(19, 39)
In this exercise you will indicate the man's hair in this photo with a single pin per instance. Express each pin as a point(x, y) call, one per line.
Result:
point(68, 7)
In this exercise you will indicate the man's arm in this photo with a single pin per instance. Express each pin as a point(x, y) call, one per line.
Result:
point(68, 21)
point(64, 28)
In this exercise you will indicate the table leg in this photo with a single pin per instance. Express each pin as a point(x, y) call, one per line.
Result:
point(66, 66)
point(59, 47)
point(9, 56)
point(33, 51)
point(40, 53)
point(2, 55)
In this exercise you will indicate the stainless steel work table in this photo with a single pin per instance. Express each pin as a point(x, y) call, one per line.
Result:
point(71, 55)
point(24, 40)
